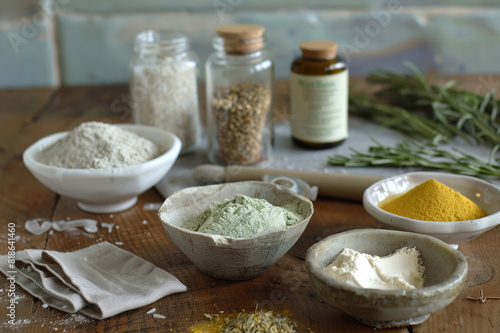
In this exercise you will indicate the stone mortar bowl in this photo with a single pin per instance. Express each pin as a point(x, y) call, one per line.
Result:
point(445, 273)
point(231, 258)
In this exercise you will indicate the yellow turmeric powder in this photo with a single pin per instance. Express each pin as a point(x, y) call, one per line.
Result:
point(433, 201)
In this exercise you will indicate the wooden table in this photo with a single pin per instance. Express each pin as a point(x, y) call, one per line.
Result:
point(27, 115)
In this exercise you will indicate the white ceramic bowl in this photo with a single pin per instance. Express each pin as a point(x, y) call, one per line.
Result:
point(444, 276)
point(484, 194)
point(105, 190)
point(227, 257)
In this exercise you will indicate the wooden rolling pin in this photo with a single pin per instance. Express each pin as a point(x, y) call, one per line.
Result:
point(336, 185)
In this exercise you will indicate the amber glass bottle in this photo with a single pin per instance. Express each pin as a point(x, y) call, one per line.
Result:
point(319, 96)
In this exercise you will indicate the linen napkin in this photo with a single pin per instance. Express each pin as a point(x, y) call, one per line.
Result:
point(99, 281)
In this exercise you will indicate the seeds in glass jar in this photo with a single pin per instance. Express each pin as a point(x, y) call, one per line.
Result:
point(240, 114)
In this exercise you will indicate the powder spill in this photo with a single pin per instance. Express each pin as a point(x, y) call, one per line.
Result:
point(36, 228)
point(88, 225)
point(68, 322)
point(159, 316)
point(433, 201)
point(95, 145)
point(399, 270)
point(109, 226)
point(152, 205)
point(242, 217)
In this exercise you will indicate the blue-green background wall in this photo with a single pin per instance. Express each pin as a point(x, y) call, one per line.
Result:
point(80, 42)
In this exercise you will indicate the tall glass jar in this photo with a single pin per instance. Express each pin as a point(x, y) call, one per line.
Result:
point(164, 85)
point(239, 92)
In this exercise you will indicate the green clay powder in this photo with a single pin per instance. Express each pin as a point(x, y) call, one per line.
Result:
point(242, 217)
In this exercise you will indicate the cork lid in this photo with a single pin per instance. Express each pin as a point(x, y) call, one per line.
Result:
point(240, 31)
point(319, 49)
point(241, 38)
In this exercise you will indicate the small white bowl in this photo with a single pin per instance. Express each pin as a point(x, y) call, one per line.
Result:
point(231, 258)
point(484, 194)
point(105, 190)
point(444, 276)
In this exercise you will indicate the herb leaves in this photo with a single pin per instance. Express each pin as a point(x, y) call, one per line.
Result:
point(424, 155)
point(431, 113)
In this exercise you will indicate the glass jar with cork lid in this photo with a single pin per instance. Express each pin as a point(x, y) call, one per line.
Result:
point(239, 91)
point(319, 96)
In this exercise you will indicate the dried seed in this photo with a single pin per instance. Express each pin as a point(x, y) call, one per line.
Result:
point(240, 114)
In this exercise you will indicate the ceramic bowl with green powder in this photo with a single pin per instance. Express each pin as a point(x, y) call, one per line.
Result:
point(420, 202)
point(235, 231)
point(243, 217)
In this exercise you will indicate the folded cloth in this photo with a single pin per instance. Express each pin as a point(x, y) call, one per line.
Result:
point(99, 281)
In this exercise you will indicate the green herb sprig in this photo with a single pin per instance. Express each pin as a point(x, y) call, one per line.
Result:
point(454, 112)
point(431, 113)
point(402, 120)
point(422, 155)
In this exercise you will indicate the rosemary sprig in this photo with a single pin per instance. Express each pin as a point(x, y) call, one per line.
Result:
point(424, 155)
point(434, 113)
point(455, 112)
point(400, 119)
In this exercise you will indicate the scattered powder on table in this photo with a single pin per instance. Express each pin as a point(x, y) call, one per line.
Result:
point(433, 201)
point(109, 226)
point(159, 316)
point(95, 145)
point(242, 217)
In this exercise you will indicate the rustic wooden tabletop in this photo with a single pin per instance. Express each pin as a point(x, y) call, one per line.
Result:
point(27, 115)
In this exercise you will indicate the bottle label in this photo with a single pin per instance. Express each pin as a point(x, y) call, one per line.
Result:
point(319, 107)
